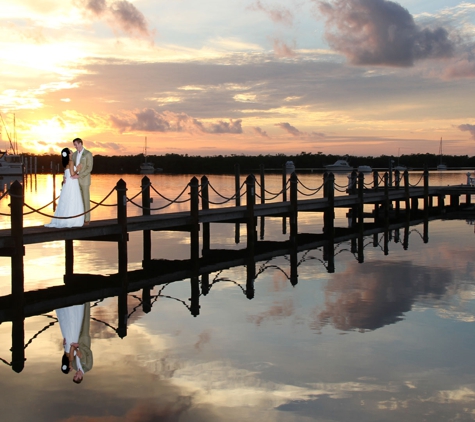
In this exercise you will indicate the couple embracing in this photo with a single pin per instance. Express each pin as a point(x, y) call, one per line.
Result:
point(74, 201)
point(74, 322)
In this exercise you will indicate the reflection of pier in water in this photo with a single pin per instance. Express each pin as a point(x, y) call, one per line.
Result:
point(81, 288)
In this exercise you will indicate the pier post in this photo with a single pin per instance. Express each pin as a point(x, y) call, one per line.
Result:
point(284, 197)
point(250, 202)
point(353, 191)
point(205, 284)
point(294, 276)
point(376, 188)
point(195, 224)
point(454, 201)
point(375, 180)
point(386, 197)
point(147, 239)
point(146, 300)
point(263, 199)
point(250, 275)
point(205, 206)
point(121, 188)
point(195, 296)
point(293, 207)
point(360, 202)
point(69, 257)
point(237, 193)
point(426, 190)
point(18, 277)
point(397, 185)
point(263, 184)
point(407, 195)
point(329, 213)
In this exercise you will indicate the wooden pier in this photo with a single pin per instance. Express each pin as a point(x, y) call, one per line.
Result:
point(395, 207)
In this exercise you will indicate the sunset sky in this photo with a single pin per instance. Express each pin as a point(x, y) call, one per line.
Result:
point(209, 77)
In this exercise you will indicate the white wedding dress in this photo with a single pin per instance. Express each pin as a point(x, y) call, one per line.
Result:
point(69, 204)
point(70, 322)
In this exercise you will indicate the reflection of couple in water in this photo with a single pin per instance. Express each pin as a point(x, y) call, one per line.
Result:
point(74, 200)
point(74, 322)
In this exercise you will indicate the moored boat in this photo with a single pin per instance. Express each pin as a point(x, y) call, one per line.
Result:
point(146, 167)
point(339, 165)
point(365, 169)
point(11, 163)
point(289, 167)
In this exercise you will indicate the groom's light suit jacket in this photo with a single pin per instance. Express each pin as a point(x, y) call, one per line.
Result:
point(86, 163)
point(85, 341)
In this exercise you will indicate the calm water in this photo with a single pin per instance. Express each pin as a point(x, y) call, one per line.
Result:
point(391, 339)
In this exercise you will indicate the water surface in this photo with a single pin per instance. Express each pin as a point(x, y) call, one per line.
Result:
point(389, 339)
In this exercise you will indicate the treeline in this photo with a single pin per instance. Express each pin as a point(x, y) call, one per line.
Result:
point(225, 164)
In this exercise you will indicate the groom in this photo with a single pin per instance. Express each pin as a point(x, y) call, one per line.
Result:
point(83, 157)
point(84, 346)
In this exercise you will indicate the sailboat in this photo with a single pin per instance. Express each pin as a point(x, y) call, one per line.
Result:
point(11, 162)
point(146, 167)
point(441, 165)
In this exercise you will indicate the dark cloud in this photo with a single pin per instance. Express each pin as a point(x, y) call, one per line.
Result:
point(380, 32)
point(121, 15)
point(278, 15)
point(379, 295)
point(129, 18)
point(289, 128)
point(150, 120)
point(468, 128)
point(261, 132)
point(97, 7)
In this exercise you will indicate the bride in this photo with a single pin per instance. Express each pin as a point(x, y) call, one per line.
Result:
point(70, 201)
point(70, 321)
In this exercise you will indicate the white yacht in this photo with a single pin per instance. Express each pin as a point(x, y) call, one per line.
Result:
point(289, 167)
point(364, 169)
point(10, 164)
point(339, 165)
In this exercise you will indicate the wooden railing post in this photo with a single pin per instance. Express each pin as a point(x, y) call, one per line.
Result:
point(360, 202)
point(205, 206)
point(397, 184)
point(407, 194)
point(121, 188)
point(386, 196)
point(375, 180)
point(250, 202)
point(237, 192)
point(293, 206)
point(329, 213)
point(147, 239)
point(284, 183)
point(195, 224)
point(18, 277)
point(426, 191)
point(263, 184)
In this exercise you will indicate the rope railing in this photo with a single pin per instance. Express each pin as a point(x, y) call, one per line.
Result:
point(316, 190)
point(417, 183)
point(37, 211)
point(175, 201)
point(5, 193)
